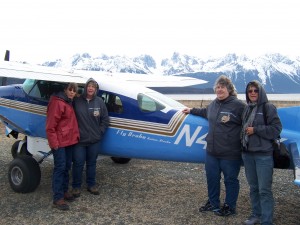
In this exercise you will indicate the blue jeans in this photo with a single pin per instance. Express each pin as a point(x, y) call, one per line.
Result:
point(60, 178)
point(259, 173)
point(230, 169)
point(85, 154)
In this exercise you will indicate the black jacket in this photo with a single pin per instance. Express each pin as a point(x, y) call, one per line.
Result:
point(224, 120)
point(261, 141)
point(92, 117)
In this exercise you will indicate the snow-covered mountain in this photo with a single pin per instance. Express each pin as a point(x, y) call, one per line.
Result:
point(278, 73)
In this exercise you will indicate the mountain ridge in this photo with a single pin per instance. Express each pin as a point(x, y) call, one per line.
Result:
point(276, 72)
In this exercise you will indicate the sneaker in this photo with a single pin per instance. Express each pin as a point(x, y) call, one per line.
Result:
point(208, 207)
point(226, 210)
point(60, 204)
point(76, 192)
point(93, 190)
point(253, 219)
point(69, 197)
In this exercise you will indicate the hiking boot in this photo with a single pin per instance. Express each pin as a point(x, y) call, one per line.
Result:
point(226, 210)
point(93, 190)
point(253, 219)
point(69, 197)
point(208, 207)
point(76, 192)
point(60, 204)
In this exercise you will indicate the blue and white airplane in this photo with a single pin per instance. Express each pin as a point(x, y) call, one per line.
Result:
point(144, 124)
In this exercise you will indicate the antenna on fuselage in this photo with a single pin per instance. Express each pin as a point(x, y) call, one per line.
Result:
point(6, 58)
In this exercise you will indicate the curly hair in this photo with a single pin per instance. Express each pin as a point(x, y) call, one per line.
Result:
point(225, 81)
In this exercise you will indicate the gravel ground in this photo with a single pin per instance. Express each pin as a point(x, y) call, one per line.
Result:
point(140, 192)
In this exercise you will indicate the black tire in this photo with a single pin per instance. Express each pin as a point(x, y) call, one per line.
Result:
point(24, 174)
point(120, 160)
point(23, 151)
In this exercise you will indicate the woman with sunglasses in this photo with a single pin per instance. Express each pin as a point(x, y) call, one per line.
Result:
point(62, 133)
point(257, 152)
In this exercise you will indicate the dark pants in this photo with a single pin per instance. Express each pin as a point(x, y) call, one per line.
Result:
point(81, 155)
point(259, 173)
point(230, 169)
point(60, 178)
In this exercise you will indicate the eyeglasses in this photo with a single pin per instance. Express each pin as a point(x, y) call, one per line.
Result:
point(251, 91)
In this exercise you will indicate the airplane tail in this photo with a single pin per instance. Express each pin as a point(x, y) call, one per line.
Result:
point(6, 57)
point(290, 119)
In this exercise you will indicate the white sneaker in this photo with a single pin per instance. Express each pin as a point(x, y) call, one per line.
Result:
point(253, 219)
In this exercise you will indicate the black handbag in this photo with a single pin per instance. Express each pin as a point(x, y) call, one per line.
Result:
point(281, 155)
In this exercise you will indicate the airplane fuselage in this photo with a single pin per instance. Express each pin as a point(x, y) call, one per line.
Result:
point(166, 134)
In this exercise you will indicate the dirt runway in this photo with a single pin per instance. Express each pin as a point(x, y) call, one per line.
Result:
point(140, 192)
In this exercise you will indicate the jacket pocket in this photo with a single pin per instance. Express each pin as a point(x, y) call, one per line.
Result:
point(65, 135)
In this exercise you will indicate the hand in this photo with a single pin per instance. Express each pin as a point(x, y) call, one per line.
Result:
point(249, 131)
point(186, 110)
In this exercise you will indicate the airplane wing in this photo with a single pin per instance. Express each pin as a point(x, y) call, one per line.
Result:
point(147, 80)
point(26, 71)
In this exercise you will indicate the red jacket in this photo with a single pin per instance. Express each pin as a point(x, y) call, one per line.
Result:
point(61, 125)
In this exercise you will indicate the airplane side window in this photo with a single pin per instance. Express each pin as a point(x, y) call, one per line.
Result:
point(113, 103)
point(147, 104)
point(35, 91)
point(80, 90)
point(42, 89)
point(54, 88)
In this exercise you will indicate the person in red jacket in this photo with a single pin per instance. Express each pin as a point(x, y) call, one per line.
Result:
point(62, 133)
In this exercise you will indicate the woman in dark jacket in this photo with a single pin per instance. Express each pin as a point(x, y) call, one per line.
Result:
point(93, 120)
point(62, 132)
point(224, 116)
point(256, 136)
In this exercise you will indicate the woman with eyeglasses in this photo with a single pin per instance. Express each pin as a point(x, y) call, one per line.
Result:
point(257, 152)
point(62, 133)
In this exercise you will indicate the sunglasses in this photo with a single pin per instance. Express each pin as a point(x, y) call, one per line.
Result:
point(251, 91)
point(70, 89)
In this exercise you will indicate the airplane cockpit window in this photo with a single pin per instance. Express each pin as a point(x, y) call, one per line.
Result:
point(42, 89)
point(113, 102)
point(28, 84)
point(147, 104)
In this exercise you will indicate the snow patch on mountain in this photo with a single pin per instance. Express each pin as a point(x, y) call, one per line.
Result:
point(272, 70)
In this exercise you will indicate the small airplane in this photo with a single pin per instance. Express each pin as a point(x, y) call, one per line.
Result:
point(144, 124)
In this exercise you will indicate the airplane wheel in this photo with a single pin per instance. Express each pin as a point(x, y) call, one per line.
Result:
point(120, 160)
point(24, 174)
point(23, 151)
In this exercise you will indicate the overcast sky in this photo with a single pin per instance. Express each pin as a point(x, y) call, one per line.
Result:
point(39, 30)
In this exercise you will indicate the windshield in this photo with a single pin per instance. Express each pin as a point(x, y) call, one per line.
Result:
point(165, 100)
point(27, 85)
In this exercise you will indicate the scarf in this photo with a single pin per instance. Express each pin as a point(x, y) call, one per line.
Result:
point(249, 115)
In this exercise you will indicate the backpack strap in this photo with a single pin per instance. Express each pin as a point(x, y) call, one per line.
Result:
point(265, 112)
point(265, 116)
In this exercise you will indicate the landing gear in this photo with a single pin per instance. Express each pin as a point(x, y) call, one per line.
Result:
point(24, 174)
point(120, 160)
point(19, 148)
